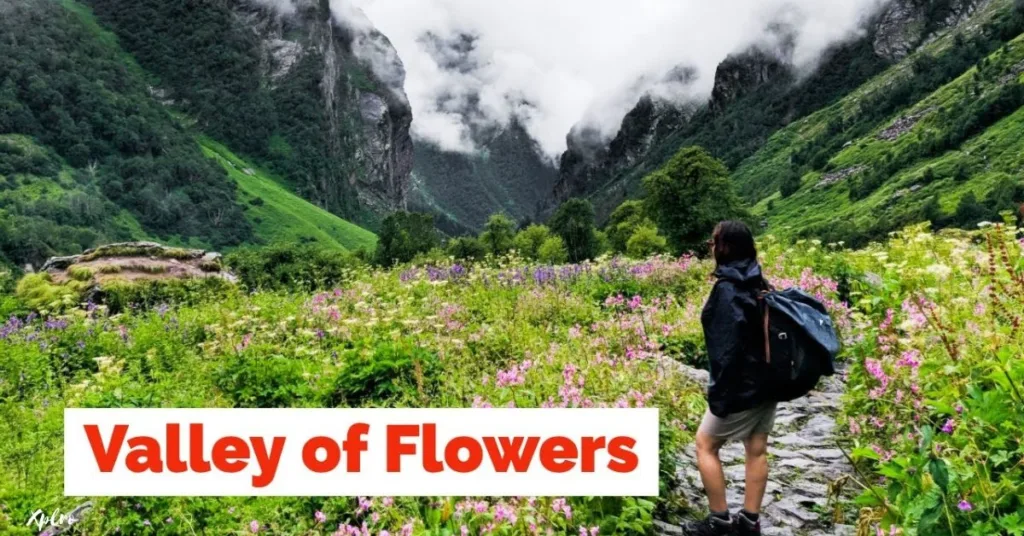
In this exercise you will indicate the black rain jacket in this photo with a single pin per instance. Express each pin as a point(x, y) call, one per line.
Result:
point(734, 334)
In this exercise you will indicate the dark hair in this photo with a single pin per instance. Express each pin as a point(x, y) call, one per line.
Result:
point(733, 242)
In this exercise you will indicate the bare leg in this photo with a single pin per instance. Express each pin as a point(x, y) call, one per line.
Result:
point(710, 467)
point(757, 472)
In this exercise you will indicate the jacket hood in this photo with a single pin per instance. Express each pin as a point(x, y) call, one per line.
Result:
point(745, 272)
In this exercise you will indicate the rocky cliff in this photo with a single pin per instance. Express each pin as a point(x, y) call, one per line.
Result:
point(315, 94)
point(756, 92)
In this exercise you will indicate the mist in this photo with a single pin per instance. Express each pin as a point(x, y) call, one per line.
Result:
point(555, 64)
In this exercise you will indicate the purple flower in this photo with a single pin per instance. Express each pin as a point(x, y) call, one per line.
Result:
point(965, 506)
point(949, 426)
point(319, 516)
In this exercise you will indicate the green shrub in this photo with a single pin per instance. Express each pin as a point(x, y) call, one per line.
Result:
point(392, 372)
point(80, 273)
point(553, 251)
point(263, 382)
point(110, 269)
point(123, 295)
point(38, 292)
point(292, 266)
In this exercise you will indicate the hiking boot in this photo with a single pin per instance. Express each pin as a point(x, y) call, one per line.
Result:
point(743, 526)
point(709, 526)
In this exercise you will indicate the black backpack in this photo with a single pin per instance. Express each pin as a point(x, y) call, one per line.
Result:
point(800, 343)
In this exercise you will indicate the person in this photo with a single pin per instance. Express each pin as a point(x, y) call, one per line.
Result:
point(739, 408)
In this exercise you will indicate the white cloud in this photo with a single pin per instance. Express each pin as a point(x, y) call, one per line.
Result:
point(555, 63)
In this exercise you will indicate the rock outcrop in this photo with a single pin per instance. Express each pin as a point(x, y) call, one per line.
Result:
point(360, 80)
point(136, 261)
point(905, 24)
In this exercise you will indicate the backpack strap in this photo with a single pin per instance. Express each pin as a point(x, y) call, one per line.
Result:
point(766, 287)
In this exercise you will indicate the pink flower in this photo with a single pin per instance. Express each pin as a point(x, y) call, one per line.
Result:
point(854, 426)
point(319, 516)
point(949, 426)
point(254, 526)
point(407, 529)
point(965, 506)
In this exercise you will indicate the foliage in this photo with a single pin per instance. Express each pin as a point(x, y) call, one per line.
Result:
point(499, 233)
point(689, 196)
point(40, 293)
point(73, 93)
point(646, 242)
point(284, 266)
point(386, 373)
point(529, 241)
point(466, 248)
point(403, 235)
point(121, 296)
point(553, 251)
point(624, 222)
point(574, 223)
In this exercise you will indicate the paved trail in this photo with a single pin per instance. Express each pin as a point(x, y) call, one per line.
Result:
point(803, 461)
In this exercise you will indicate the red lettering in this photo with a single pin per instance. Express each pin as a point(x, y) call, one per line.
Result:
point(556, 449)
point(455, 446)
point(195, 449)
point(105, 457)
point(590, 447)
point(396, 449)
point(313, 446)
point(229, 454)
point(511, 452)
point(267, 461)
point(174, 462)
point(147, 448)
point(624, 460)
point(430, 462)
point(354, 445)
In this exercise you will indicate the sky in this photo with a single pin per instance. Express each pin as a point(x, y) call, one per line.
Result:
point(553, 64)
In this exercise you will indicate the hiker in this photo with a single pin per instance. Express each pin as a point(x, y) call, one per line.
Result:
point(739, 406)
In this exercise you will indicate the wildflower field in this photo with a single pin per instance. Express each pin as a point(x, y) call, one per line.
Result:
point(933, 413)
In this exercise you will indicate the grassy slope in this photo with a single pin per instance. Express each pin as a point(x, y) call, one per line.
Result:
point(990, 155)
point(283, 216)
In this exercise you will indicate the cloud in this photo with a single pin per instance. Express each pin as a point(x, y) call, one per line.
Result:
point(555, 64)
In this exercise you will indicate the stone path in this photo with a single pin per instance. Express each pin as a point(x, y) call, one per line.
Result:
point(803, 461)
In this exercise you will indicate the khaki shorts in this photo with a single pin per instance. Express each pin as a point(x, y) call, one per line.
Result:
point(740, 426)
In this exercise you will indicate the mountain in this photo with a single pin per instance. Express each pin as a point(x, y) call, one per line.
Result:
point(506, 173)
point(311, 94)
point(500, 169)
point(95, 148)
point(757, 92)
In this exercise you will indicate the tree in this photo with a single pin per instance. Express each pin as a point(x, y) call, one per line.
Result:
point(499, 232)
point(623, 222)
point(646, 242)
point(403, 235)
point(790, 184)
point(553, 251)
point(574, 223)
point(689, 196)
point(529, 240)
point(467, 248)
point(968, 210)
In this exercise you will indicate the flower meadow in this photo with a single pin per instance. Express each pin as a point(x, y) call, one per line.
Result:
point(933, 414)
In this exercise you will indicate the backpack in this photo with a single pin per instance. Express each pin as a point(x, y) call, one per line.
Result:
point(800, 343)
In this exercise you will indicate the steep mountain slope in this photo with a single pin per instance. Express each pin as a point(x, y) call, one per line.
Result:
point(506, 174)
point(757, 93)
point(290, 88)
point(87, 156)
point(278, 215)
point(894, 152)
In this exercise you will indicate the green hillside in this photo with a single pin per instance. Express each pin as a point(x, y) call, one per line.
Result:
point(863, 173)
point(277, 214)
